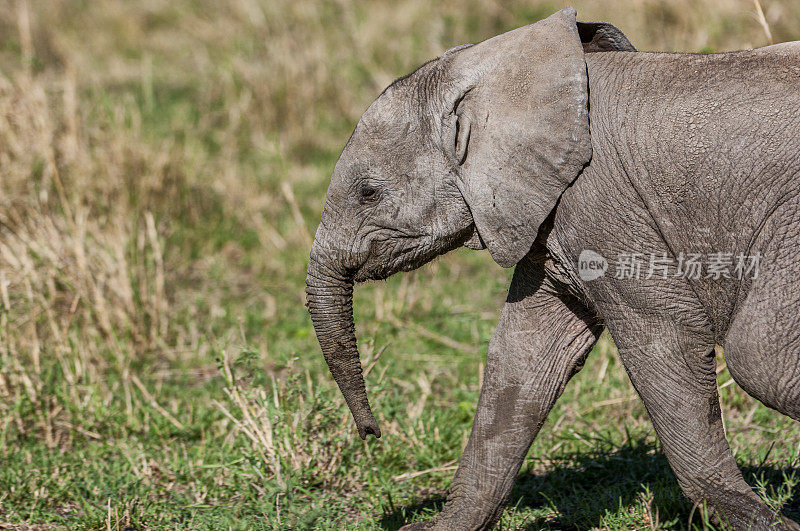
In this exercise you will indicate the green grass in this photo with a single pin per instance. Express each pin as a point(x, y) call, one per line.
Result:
point(162, 168)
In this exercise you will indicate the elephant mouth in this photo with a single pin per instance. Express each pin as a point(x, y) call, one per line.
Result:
point(420, 251)
point(376, 271)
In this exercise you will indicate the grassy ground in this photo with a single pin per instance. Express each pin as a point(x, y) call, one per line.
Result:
point(162, 167)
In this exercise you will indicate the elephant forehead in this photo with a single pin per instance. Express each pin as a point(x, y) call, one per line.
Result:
point(388, 130)
point(382, 131)
point(393, 114)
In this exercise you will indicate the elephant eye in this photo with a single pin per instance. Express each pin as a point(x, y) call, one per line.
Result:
point(367, 194)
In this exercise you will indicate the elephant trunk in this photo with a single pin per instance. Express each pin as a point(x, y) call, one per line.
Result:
point(329, 294)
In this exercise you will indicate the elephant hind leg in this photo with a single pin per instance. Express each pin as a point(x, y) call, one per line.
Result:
point(673, 370)
point(762, 348)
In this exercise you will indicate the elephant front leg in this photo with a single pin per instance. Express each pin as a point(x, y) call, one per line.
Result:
point(540, 342)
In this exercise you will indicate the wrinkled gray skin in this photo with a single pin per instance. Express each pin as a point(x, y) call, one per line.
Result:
point(559, 137)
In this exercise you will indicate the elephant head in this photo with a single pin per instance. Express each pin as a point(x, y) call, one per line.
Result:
point(473, 148)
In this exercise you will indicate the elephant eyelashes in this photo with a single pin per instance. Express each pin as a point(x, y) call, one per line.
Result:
point(367, 194)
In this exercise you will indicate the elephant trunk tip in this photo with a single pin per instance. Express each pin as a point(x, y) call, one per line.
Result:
point(366, 425)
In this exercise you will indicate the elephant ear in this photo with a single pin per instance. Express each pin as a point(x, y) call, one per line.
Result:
point(522, 129)
point(603, 37)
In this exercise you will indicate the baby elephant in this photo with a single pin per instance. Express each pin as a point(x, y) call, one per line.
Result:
point(654, 194)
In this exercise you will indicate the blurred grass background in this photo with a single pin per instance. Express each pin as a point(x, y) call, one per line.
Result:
point(163, 164)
